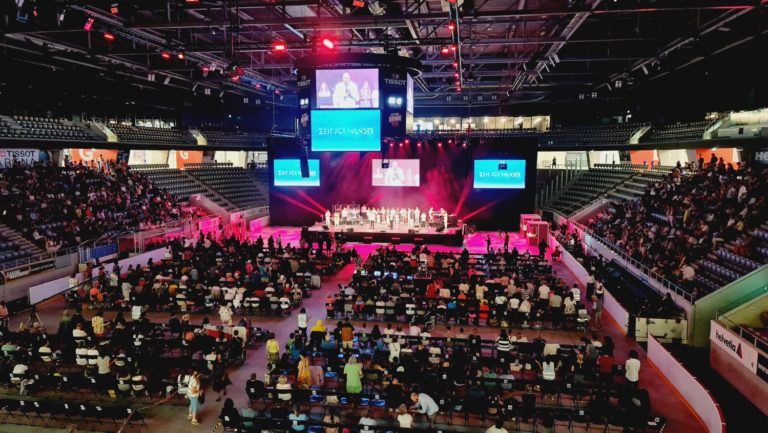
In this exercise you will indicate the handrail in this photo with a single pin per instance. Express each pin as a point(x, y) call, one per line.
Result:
point(755, 340)
point(627, 259)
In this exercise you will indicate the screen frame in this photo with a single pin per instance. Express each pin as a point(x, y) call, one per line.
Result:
point(316, 85)
point(349, 148)
point(291, 184)
point(521, 170)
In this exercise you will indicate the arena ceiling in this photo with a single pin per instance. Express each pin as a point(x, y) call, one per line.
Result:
point(512, 51)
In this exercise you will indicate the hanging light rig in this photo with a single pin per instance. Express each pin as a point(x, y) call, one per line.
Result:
point(454, 26)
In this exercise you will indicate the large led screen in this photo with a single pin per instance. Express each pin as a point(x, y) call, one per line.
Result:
point(400, 172)
point(347, 88)
point(288, 173)
point(499, 173)
point(340, 130)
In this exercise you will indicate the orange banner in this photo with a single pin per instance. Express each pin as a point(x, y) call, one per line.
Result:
point(643, 157)
point(184, 157)
point(89, 156)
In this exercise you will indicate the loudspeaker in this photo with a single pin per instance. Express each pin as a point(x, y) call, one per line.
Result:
point(304, 161)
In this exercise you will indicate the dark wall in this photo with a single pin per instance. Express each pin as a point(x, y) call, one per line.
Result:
point(446, 181)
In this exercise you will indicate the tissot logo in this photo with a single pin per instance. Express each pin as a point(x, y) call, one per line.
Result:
point(727, 342)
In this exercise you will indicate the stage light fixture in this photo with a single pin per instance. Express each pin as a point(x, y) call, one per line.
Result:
point(445, 50)
point(167, 80)
point(114, 8)
point(439, 144)
point(455, 65)
point(407, 141)
point(401, 144)
point(192, 2)
point(418, 144)
point(150, 76)
point(279, 46)
point(205, 70)
point(109, 37)
point(391, 144)
point(327, 43)
point(452, 25)
point(34, 11)
point(180, 55)
point(88, 24)
point(165, 55)
point(453, 47)
point(207, 91)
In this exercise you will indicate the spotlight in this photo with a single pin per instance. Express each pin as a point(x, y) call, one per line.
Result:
point(445, 50)
point(327, 43)
point(192, 2)
point(391, 144)
point(439, 144)
point(401, 144)
point(455, 65)
point(114, 8)
point(407, 141)
point(109, 37)
point(165, 55)
point(418, 144)
point(279, 46)
point(453, 47)
point(452, 25)
point(206, 70)
point(180, 55)
point(358, 3)
point(88, 24)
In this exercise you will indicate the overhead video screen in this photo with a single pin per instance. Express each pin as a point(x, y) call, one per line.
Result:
point(347, 88)
point(287, 172)
point(337, 130)
point(499, 173)
point(400, 172)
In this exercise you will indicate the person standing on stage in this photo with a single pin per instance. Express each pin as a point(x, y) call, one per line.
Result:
point(506, 241)
point(488, 243)
point(424, 220)
point(417, 216)
point(336, 219)
point(327, 218)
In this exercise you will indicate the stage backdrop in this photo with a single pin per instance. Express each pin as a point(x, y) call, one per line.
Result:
point(446, 181)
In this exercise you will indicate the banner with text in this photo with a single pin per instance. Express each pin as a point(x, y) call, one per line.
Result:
point(24, 156)
point(731, 343)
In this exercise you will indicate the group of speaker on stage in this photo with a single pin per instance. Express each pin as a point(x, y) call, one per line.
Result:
point(391, 216)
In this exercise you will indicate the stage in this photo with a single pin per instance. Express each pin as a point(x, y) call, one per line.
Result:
point(453, 236)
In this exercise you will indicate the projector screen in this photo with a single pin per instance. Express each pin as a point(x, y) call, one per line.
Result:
point(401, 172)
point(342, 130)
point(347, 88)
point(287, 172)
point(491, 173)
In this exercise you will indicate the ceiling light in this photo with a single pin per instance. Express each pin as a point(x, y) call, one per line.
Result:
point(165, 55)
point(109, 37)
point(327, 43)
point(88, 24)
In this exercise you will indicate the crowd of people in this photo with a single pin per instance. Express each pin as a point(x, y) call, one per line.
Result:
point(209, 275)
point(693, 211)
point(498, 289)
point(64, 206)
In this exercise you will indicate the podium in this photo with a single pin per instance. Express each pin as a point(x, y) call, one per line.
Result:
point(537, 231)
point(525, 219)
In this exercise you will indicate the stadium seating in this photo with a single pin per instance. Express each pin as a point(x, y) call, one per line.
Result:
point(13, 248)
point(235, 138)
point(593, 135)
point(43, 128)
point(624, 181)
point(235, 184)
point(676, 132)
point(140, 134)
point(713, 220)
point(179, 183)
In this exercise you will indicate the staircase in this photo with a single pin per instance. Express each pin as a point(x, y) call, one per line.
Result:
point(10, 235)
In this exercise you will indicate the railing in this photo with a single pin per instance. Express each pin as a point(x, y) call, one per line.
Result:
point(570, 173)
point(755, 340)
point(645, 270)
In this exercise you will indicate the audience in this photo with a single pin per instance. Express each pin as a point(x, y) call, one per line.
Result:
point(688, 215)
point(60, 207)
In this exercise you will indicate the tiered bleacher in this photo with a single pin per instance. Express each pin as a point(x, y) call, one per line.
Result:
point(234, 183)
point(615, 180)
point(43, 128)
point(700, 227)
point(179, 183)
point(10, 249)
point(57, 207)
point(591, 135)
point(234, 138)
point(142, 134)
point(676, 132)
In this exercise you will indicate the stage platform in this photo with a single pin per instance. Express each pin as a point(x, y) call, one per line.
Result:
point(453, 236)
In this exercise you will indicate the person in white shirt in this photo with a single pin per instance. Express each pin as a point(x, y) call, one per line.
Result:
point(497, 427)
point(404, 419)
point(193, 394)
point(302, 321)
point(632, 370)
point(415, 331)
point(544, 292)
